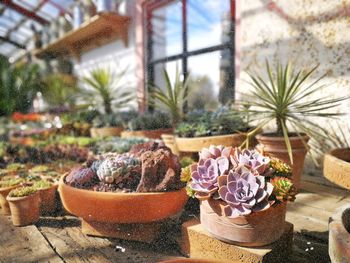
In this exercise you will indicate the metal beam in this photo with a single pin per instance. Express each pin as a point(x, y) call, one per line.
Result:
point(6, 39)
point(25, 12)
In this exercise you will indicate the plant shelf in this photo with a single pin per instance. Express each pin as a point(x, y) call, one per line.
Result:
point(98, 30)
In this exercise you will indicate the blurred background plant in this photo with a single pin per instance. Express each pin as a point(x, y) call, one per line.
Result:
point(107, 90)
point(150, 121)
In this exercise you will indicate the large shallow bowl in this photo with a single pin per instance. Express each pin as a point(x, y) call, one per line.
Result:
point(121, 207)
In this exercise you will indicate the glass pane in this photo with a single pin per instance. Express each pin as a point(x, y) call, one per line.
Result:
point(205, 81)
point(166, 23)
point(208, 23)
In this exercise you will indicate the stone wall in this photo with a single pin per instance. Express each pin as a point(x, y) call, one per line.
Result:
point(306, 32)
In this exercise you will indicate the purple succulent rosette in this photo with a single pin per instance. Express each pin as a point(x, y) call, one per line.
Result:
point(251, 159)
point(244, 192)
point(214, 152)
point(205, 178)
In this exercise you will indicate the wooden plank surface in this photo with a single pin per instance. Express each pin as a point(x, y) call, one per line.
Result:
point(24, 244)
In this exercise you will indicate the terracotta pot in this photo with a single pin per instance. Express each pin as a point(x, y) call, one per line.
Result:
point(48, 200)
point(5, 208)
point(169, 141)
point(121, 207)
point(105, 131)
point(336, 167)
point(25, 210)
point(339, 235)
point(256, 229)
point(198, 143)
point(276, 147)
point(151, 134)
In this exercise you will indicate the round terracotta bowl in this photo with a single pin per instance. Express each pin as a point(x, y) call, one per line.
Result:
point(198, 143)
point(151, 134)
point(257, 229)
point(336, 167)
point(121, 207)
point(105, 131)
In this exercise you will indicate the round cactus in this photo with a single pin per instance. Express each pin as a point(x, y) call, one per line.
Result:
point(244, 192)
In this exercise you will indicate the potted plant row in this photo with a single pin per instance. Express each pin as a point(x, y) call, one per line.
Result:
point(149, 125)
point(141, 186)
point(106, 125)
point(285, 98)
point(243, 194)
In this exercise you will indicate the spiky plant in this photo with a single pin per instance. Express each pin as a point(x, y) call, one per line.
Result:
point(173, 98)
point(286, 98)
point(107, 88)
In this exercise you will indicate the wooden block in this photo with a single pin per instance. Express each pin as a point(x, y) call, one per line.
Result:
point(198, 244)
point(137, 232)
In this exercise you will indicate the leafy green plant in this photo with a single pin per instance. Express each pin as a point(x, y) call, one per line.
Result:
point(286, 98)
point(22, 191)
point(150, 121)
point(42, 184)
point(173, 98)
point(107, 120)
point(106, 88)
point(11, 182)
point(206, 123)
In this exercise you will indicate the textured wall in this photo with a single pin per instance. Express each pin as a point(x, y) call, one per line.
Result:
point(307, 32)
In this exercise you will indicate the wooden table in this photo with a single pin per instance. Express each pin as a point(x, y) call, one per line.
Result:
point(59, 239)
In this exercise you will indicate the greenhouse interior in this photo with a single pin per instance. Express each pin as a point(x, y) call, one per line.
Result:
point(174, 131)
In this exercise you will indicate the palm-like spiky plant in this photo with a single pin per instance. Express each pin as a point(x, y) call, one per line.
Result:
point(108, 89)
point(173, 97)
point(290, 102)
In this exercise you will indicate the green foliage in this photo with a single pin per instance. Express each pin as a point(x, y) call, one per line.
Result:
point(59, 90)
point(173, 98)
point(105, 87)
point(80, 116)
point(22, 191)
point(80, 141)
point(108, 120)
point(14, 167)
point(116, 145)
point(18, 86)
point(287, 99)
point(280, 168)
point(283, 189)
point(186, 161)
point(207, 123)
point(10, 182)
point(150, 121)
point(42, 184)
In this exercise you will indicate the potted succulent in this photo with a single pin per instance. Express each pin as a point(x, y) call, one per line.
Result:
point(139, 187)
point(47, 192)
point(24, 204)
point(148, 125)
point(291, 103)
point(242, 194)
point(6, 185)
point(106, 125)
point(204, 128)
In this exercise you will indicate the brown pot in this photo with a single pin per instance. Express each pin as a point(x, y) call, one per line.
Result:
point(25, 210)
point(105, 131)
point(169, 141)
point(336, 167)
point(276, 147)
point(5, 208)
point(151, 134)
point(48, 200)
point(198, 143)
point(339, 235)
point(121, 207)
point(256, 229)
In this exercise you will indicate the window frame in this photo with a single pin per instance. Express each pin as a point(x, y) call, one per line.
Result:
point(149, 62)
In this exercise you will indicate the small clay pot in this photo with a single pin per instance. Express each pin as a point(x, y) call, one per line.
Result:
point(151, 134)
point(5, 208)
point(336, 167)
point(105, 131)
point(276, 147)
point(25, 210)
point(48, 203)
point(256, 229)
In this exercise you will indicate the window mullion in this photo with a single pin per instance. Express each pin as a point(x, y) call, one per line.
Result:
point(184, 43)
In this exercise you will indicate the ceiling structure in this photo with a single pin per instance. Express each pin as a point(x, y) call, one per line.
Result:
point(19, 19)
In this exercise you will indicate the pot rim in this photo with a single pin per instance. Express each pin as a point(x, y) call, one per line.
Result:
point(154, 130)
point(63, 184)
point(332, 152)
point(14, 199)
point(8, 188)
point(265, 136)
point(208, 137)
